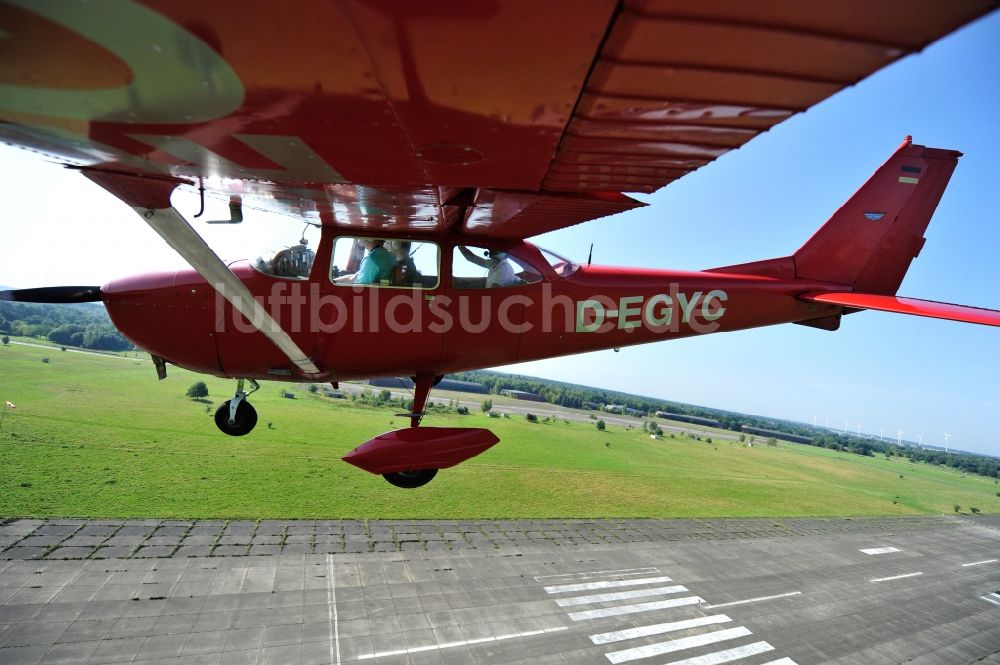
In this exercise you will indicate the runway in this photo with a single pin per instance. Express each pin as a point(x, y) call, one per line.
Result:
point(922, 590)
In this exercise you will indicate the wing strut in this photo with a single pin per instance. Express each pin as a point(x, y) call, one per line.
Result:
point(150, 198)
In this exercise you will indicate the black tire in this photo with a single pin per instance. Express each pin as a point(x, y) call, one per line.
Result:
point(246, 419)
point(410, 479)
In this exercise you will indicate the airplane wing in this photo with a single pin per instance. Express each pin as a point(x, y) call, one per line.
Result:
point(502, 118)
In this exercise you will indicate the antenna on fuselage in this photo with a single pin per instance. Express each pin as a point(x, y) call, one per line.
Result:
point(590, 254)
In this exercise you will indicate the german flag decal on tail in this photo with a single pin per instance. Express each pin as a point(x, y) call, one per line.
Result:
point(910, 175)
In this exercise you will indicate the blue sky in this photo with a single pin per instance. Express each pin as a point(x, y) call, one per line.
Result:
point(883, 371)
point(766, 199)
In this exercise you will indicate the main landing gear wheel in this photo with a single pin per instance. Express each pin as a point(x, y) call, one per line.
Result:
point(245, 420)
point(410, 479)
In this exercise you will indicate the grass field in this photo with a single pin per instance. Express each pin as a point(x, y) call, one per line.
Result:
point(100, 436)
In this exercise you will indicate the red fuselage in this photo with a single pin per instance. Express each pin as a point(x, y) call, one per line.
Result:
point(365, 331)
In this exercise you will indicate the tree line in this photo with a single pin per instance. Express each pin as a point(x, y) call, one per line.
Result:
point(83, 325)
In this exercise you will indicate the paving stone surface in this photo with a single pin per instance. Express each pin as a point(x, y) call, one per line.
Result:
point(841, 591)
point(170, 538)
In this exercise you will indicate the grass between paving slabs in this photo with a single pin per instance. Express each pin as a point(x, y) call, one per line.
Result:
point(99, 436)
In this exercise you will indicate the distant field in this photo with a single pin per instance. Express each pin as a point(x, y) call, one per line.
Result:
point(100, 436)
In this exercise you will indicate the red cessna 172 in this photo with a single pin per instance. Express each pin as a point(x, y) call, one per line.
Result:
point(428, 140)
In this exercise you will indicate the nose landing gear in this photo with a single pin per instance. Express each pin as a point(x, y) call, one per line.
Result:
point(236, 417)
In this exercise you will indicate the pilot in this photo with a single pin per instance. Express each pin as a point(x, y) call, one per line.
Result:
point(377, 265)
point(500, 273)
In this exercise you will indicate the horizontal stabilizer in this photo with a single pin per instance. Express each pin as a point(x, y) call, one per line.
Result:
point(931, 308)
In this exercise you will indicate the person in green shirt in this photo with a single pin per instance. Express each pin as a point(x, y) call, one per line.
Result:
point(377, 265)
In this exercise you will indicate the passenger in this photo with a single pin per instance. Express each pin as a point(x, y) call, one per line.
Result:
point(377, 265)
point(500, 272)
point(405, 273)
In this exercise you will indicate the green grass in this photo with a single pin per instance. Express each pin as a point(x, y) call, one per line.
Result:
point(100, 436)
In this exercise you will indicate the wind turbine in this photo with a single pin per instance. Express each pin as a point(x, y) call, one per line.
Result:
point(881, 433)
point(859, 430)
point(899, 436)
point(921, 438)
point(946, 437)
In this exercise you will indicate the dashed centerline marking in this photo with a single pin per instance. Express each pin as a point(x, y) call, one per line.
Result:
point(619, 595)
point(677, 645)
point(448, 645)
point(590, 586)
point(751, 600)
point(880, 550)
point(894, 577)
point(658, 629)
point(979, 563)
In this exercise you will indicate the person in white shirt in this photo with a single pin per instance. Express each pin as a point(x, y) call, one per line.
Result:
point(499, 271)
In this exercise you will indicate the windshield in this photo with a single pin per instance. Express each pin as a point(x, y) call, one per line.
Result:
point(563, 266)
point(290, 261)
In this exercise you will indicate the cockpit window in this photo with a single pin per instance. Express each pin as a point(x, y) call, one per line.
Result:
point(563, 266)
point(289, 261)
point(478, 268)
point(293, 262)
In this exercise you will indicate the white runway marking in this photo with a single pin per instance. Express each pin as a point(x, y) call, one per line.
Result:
point(332, 611)
point(600, 573)
point(978, 563)
point(658, 629)
point(752, 600)
point(448, 645)
point(590, 586)
point(995, 598)
point(632, 609)
point(881, 550)
point(619, 595)
point(726, 656)
point(781, 661)
point(894, 577)
point(677, 645)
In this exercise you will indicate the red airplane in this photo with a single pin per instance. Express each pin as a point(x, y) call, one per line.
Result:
point(428, 140)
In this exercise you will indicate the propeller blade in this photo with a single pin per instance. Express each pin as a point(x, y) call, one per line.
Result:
point(54, 294)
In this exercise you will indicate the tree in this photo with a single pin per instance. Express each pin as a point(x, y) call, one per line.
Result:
point(5, 340)
point(486, 406)
point(600, 425)
point(64, 333)
point(198, 390)
point(531, 418)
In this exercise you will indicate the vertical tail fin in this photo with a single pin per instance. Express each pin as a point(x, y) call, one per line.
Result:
point(871, 240)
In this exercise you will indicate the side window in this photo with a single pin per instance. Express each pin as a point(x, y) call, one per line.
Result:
point(481, 268)
point(381, 262)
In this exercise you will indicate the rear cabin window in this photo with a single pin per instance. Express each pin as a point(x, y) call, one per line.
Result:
point(371, 261)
